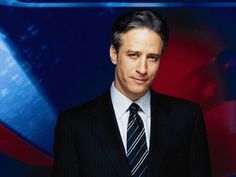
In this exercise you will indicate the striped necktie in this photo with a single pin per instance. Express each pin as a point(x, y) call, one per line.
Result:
point(137, 151)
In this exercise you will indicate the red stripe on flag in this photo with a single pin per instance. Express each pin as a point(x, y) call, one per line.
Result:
point(19, 149)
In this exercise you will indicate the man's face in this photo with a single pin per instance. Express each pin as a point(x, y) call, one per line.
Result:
point(137, 61)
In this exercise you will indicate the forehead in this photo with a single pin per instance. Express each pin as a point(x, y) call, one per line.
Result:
point(141, 38)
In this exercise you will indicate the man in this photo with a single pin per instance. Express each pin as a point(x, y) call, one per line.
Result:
point(132, 131)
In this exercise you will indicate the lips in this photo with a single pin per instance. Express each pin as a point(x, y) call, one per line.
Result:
point(140, 80)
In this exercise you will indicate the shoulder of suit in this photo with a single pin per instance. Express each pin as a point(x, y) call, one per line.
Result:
point(80, 112)
point(82, 108)
point(170, 101)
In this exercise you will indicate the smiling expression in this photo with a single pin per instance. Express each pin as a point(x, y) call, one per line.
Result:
point(137, 61)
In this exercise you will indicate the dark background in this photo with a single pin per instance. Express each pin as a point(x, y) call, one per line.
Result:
point(63, 54)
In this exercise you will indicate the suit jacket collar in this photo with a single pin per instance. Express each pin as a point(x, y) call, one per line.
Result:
point(107, 131)
point(160, 112)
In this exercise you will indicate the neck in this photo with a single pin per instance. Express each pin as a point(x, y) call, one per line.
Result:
point(131, 96)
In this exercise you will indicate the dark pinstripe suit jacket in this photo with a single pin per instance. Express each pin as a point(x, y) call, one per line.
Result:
point(88, 143)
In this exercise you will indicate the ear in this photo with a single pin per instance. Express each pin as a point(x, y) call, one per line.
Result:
point(113, 55)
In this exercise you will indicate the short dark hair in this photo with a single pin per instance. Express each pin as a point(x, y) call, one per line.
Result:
point(140, 18)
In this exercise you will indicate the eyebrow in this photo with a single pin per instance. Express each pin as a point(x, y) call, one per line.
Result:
point(131, 51)
point(150, 54)
point(156, 55)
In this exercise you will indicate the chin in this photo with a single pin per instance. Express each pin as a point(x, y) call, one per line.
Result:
point(139, 91)
point(140, 88)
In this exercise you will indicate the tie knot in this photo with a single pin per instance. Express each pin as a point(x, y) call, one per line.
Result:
point(134, 107)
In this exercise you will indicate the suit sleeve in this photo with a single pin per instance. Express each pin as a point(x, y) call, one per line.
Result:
point(199, 153)
point(65, 157)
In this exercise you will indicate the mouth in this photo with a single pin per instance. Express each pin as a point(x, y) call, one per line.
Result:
point(139, 80)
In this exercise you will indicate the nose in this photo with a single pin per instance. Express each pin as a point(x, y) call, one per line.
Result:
point(142, 66)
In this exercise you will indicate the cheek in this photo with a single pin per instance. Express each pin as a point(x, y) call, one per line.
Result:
point(125, 67)
point(154, 70)
point(122, 71)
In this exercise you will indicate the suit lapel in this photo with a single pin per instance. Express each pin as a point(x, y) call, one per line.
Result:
point(107, 131)
point(159, 133)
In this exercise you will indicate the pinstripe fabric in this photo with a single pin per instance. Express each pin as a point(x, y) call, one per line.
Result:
point(137, 150)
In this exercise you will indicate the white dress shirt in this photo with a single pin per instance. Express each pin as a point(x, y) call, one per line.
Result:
point(121, 105)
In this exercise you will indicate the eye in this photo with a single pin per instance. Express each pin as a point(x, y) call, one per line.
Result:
point(133, 55)
point(153, 58)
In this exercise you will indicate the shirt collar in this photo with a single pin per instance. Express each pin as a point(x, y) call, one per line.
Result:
point(121, 103)
point(144, 103)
